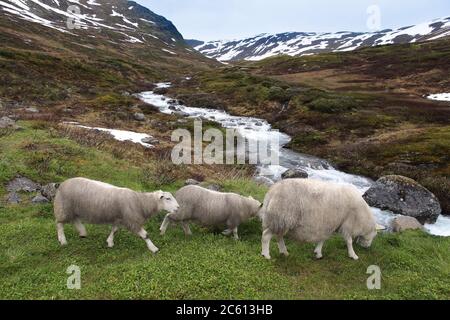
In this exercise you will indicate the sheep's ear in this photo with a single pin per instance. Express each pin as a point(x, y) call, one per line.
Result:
point(262, 204)
point(251, 198)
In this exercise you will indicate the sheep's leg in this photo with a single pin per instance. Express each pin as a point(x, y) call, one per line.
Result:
point(143, 234)
point(80, 228)
point(235, 233)
point(351, 252)
point(165, 224)
point(61, 235)
point(282, 246)
point(186, 229)
point(265, 243)
point(318, 250)
point(110, 239)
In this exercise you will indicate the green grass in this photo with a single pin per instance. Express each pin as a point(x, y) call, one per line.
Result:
point(207, 265)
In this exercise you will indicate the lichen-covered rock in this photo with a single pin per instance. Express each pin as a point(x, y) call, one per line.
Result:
point(213, 187)
point(404, 196)
point(150, 140)
point(139, 116)
point(22, 184)
point(13, 198)
point(191, 182)
point(8, 123)
point(404, 223)
point(295, 174)
point(263, 181)
point(39, 199)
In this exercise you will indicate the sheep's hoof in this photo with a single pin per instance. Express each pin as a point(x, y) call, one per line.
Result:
point(285, 254)
point(355, 257)
point(266, 256)
point(110, 245)
point(83, 237)
point(63, 244)
point(319, 257)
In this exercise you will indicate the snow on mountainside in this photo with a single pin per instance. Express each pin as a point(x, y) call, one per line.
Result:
point(302, 43)
point(127, 20)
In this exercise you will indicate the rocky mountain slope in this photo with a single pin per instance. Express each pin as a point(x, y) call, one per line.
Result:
point(305, 43)
point(130, 21)
point(54, 50)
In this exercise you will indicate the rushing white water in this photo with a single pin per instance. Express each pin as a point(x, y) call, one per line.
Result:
point(254, 128)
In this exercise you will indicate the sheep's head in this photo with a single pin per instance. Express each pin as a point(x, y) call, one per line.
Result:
point(167, 201)
point(255, 205)
point(365, 241)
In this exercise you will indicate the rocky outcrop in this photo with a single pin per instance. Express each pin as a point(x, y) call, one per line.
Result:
point(22, 184)
point(404, 196)
point(8, 123)
point(13, 198)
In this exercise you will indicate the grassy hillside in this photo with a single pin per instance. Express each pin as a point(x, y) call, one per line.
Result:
point(208, 265)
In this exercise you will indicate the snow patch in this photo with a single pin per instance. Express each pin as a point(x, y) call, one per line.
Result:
point(119, 135)
point(439, 97)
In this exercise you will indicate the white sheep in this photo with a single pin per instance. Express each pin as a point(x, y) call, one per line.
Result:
point(211, 208)
point(312, 211)
point(82, 200)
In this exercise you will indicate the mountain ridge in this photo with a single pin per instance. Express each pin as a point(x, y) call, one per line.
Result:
point(305, 43)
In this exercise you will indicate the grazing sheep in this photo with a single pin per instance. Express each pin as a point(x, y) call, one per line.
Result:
point(81, 200)
point(311, 211)
point(211, 208)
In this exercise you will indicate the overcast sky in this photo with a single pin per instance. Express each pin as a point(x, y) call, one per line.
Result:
point(234, 19)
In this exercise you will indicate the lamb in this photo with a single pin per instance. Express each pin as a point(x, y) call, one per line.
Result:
point(82, 200)
point(211, 208)
point(311, 211)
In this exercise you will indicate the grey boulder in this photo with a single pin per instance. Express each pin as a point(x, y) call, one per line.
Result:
point(404, 196)
point(404, 223)
point(22, 184)
point(39, 199)
point(139, 116)
point(295, 174)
